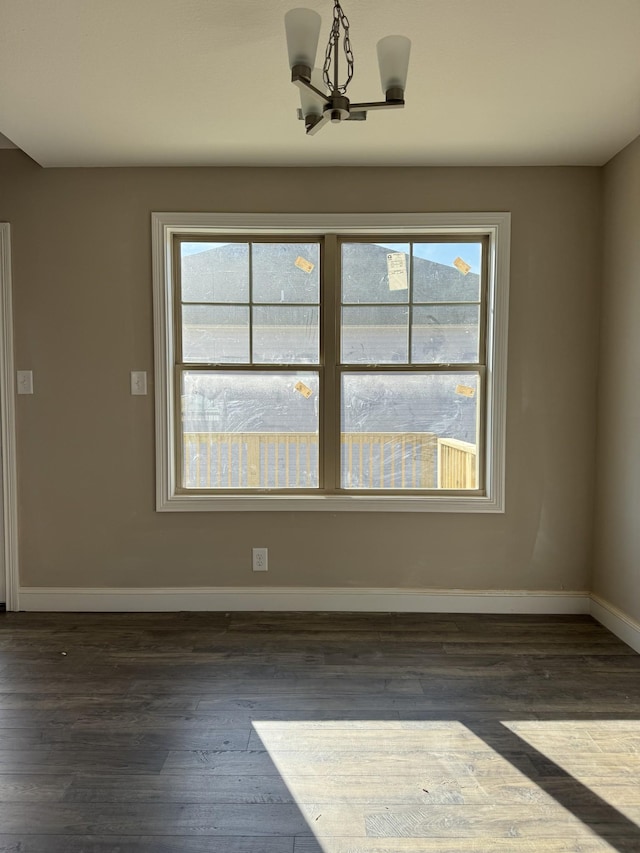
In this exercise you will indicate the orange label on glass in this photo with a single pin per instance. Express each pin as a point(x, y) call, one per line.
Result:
point(303, 389)
point(303, 264)
point(465, 390)
point(461, 265)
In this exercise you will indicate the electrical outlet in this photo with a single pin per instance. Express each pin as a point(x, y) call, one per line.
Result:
point(260, 561)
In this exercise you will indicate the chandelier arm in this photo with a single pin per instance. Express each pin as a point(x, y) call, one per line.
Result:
point(303, 83)
point(316, 123)
point(379, 105)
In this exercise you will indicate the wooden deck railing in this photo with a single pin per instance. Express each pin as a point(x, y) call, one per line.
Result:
point(457, 464)
point(389, 460)
point(379, 460)
point(221, 460)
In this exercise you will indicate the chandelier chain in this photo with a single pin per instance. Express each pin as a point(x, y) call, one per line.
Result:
point(339, 20)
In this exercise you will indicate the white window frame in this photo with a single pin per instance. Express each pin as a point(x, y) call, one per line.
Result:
point(495, 226)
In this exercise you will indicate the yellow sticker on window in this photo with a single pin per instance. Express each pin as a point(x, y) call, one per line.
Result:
point(303, 389)
point(461, 265)
point(465, 390)
point(303, 264)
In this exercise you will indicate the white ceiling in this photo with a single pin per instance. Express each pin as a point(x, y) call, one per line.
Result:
point(205, 82)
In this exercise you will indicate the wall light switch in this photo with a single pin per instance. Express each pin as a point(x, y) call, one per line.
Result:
point(25, 382)
point(138, 381)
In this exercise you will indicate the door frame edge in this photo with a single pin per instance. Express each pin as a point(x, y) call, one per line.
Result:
point(8, 458)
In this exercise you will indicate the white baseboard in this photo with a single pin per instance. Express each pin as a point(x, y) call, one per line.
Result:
point(338, 599)
point(623, 626)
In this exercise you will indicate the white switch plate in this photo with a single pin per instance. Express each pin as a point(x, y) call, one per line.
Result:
point(138, 381)
point(25, 382)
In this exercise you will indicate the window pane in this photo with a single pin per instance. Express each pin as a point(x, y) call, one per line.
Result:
point(445, 334)
point(286, 272)
point(285, 335)
point(215, 272)
point(215, 334)
point(250, 430)
point(446, 272)
point(374, 273)
point(374, 335)
point(409, 430)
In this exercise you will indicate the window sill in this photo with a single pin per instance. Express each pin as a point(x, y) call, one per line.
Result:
point(328, 503)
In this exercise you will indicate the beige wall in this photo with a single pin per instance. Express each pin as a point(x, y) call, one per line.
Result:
point(83, 318)
point(617, 560)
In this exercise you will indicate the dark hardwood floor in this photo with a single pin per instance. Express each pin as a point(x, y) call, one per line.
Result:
point(317, 733)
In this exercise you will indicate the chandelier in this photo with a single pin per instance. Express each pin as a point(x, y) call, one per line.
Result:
point(323, 93)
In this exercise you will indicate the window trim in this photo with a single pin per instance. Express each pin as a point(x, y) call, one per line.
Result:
point(496, 226)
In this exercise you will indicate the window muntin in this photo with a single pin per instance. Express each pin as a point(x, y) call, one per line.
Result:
point(170, 227)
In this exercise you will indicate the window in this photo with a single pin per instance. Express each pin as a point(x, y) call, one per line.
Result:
point(342, 362)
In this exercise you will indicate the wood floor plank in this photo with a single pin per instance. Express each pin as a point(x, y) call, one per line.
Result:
point(277, 686)
point(164, 819)
point(464, 845)
point(236, 717)
point(159, 739)
point(480, 821)
point(33, 788)
point(334, 762)
point(436, 737)
point(76, 760)
point(537, 647)
point(83, 701)
point(148, 844)
point(447, 702)
point(419, 788)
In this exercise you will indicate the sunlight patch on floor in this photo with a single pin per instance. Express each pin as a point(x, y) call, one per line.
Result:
point(602, 755)
point(373, 785)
